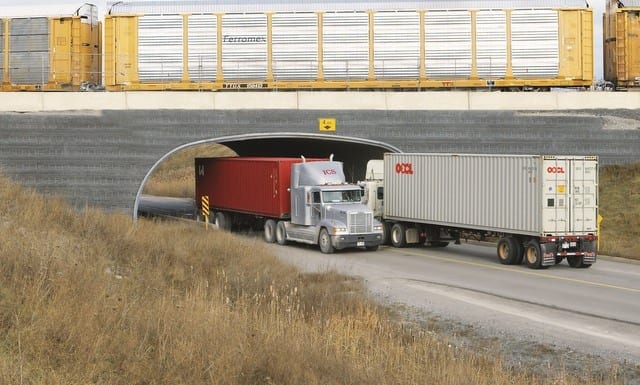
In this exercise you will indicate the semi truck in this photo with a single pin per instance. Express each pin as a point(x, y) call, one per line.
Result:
point(291, 199)
point(539, 209)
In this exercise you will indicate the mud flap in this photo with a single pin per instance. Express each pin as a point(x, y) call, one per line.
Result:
point(590, 252)
point(548, 251)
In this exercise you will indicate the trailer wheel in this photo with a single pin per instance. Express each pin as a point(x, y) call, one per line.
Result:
point(398, 235)
point(281, 233)
point(223, 221)
point(270, 231)
point(533, 255)
point(325, 242)
point(509, 251)
point(578, 262)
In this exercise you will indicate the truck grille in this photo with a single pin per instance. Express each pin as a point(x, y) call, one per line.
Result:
point(360, 223)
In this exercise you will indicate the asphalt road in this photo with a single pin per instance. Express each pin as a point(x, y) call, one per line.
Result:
point(592, 311)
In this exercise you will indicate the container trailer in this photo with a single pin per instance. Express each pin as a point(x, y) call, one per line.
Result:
point(291, 199)
point(540, 208)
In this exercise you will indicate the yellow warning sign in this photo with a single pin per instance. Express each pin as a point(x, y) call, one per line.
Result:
point(327, 124)
point(205, 205)
point(560, 189)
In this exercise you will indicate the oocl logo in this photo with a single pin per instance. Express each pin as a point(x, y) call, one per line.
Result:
point(404, 168)
point(555, 170)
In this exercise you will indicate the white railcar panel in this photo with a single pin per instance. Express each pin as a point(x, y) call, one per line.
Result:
point(294, 44)
point(535, 47)
point(29, 50)
point(346, 45)
point(397, 45)
point(448, 44)
point(244, 46)
point(203, 49)
point(491, 37)
point(160, 48)
point(2, 50)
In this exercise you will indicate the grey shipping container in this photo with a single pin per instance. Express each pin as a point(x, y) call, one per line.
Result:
point(542, 207)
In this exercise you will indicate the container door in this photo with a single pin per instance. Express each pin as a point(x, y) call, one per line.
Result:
point(556, 212)
point(570, 195)
point(584, 182)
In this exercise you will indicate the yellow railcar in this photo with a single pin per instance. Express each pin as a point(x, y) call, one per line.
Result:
point(51, 53)
point(621, 27)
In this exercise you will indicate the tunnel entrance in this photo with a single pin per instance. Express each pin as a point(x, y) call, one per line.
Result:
point(353, 152)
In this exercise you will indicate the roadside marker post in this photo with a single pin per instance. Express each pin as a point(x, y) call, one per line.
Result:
point(205, 211)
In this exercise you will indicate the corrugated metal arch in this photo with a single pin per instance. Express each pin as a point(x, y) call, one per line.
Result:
point(353, 152)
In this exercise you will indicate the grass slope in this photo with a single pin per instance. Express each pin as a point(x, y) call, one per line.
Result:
point(91, 298)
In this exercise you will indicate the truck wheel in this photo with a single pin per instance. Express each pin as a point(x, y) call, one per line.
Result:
point(270, 231)
point(281, 233)
point(398, 236)
point(509, 252)
point(533, 255)
point(577, 262)
point(325, 242)
point(386, 229)
point(222, 221)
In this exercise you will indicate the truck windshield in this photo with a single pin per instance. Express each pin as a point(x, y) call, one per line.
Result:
point(346, 196)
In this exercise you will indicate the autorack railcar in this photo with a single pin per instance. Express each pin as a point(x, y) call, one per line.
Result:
point(51, 52)
point(621, 27)
point(348, 44)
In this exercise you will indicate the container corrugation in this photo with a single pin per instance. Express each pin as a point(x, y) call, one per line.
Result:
point(241, 6)
point(517, 194)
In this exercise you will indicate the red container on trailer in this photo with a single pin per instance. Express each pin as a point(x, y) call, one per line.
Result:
point(249, 185)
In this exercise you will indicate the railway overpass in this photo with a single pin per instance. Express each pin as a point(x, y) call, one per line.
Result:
point(98, 148)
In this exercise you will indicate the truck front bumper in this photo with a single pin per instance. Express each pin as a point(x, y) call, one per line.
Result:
point(344, 241)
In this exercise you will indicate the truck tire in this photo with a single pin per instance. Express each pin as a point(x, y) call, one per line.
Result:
point(509, 251)
point(223, 221)
point(533, 255)
point(324, 240)
point(398, 235)
point(270, 231)
point(281, 233)
point(577, 262)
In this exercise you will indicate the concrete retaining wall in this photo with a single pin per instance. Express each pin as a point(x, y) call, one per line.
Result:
point(305, 100)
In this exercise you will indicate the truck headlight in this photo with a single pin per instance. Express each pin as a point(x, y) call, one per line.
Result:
point(378, 228)
point(339, 230)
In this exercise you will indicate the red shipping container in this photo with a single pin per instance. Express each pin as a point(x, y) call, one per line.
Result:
point(250, 185)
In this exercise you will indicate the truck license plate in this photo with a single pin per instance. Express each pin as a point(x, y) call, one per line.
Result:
point(360, 243)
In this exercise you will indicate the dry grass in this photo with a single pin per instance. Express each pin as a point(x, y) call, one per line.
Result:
point(620, 208)
point(175, 176)
point(92, 298)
